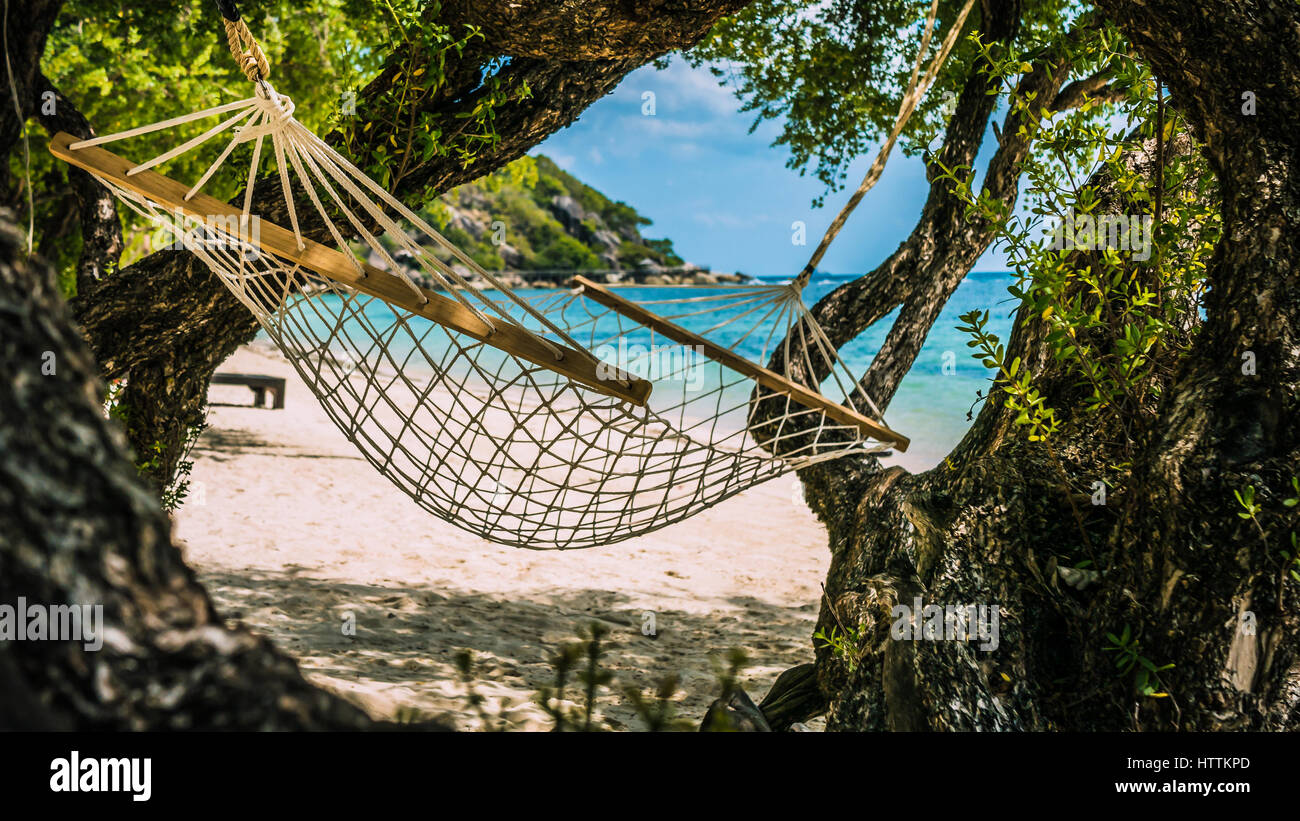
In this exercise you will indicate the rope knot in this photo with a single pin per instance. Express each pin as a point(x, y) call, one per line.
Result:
point(247, 53)
point(279, 106)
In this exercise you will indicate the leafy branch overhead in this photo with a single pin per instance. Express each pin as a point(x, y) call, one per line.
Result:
point(830, 76)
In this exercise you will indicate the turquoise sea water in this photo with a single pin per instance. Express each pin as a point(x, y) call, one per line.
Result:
point(931, 405)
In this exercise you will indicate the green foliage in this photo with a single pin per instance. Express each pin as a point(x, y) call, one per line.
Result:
point(420, 52)
point(579, 718)
point(1246, 498)
point(656, 711)
point(565, 252)
point(492, 722)
point(1272, 524)
point(1292, 557)
point(174, 495)
point(1117, 322)
point(832, 74)
point(551, 698)
point(125, 65)
point(1022, 398)
point(845, 645)
point(727, 671)
point(580, 662)
point(591, 676)
point(1129, 659)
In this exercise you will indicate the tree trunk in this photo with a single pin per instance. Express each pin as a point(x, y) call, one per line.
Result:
point(1203, 587)
point(1225, 426)
point(80, 528)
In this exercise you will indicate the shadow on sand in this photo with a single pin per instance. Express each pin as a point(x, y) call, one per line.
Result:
point(401, 657)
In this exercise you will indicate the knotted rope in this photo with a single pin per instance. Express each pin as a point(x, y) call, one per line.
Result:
point(243, 46)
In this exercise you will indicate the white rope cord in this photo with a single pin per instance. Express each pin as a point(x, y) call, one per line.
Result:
point(506, 448)
point(415, 220)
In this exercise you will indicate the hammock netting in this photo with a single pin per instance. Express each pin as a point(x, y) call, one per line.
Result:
point(509, 447)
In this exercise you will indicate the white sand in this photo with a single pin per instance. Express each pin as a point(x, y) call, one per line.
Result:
point(290, 529)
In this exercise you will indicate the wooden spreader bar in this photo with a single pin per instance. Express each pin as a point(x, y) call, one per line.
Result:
point(330, 263)
point(767, 378)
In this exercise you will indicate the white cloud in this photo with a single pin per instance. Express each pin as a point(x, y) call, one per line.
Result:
point(562, 159)
point(663, 128)
point(681, 91)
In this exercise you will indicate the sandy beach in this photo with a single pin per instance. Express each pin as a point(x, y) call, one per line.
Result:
point(293, 532)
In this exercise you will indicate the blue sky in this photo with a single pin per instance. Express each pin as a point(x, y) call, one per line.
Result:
point(723, 195)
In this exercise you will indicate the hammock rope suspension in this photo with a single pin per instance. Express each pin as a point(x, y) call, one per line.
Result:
point(243, 46)
point(556, 419)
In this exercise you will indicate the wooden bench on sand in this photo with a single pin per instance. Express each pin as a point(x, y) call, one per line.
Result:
point(259, 383)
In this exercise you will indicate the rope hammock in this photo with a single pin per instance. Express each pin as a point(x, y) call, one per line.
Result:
point(567, 419)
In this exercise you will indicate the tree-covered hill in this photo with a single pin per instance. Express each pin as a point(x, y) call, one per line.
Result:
point(533, 216)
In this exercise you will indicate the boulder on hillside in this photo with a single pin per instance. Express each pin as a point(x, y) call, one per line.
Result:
point(405, 259)
point(609, 239)
point(570, 214)
point(510, 255)
point(469, 225)
point(375, 260)
point(472, 197)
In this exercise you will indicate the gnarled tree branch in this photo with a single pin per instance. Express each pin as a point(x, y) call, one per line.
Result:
point(101, 230)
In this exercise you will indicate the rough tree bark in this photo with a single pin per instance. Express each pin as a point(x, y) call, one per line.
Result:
point(994, 523)
point(27, 29)
point(1223, 426)
point(101, 230)
point(582, 30)
point(80, 528)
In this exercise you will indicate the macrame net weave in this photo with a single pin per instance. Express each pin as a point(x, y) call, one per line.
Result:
point(511, 447)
